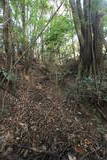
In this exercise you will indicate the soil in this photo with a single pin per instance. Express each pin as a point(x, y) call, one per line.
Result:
point(41, 123)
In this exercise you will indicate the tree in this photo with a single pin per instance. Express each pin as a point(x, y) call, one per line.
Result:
point(1, 25)
point(55, 38)
point(89, 29)
point(6, 32)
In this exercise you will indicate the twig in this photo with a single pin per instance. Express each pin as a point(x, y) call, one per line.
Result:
point(87, 154)
point(101, 113)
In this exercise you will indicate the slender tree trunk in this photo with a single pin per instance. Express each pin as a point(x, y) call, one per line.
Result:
point(25, 41)
point(73, 49)
point(23, 24)
point(7, 32)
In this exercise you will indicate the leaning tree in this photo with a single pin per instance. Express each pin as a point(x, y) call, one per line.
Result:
point(87, 18)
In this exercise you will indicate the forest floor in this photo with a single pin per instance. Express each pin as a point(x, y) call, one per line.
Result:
point(41, 123)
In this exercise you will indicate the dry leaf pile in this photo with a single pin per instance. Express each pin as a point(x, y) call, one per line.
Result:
point(40, 121)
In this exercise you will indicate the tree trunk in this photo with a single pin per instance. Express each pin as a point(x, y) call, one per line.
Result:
point(6, 32)
point(24, 23)
point(98, 41)
point(89, 31)
point(25, 43)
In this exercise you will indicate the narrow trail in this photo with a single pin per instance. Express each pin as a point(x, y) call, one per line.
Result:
point(42, 119)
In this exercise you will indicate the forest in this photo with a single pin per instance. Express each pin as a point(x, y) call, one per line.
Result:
point(53, 79)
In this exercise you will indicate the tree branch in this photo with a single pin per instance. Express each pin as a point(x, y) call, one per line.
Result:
point(34, 40)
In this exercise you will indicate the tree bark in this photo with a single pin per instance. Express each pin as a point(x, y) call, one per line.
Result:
point(6, 32)
point(98, 41)
point(89, 31)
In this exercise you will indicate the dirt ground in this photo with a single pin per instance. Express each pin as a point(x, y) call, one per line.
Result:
point(41, 121)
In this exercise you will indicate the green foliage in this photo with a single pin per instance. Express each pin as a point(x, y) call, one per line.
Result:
point(35, 12)
point(44, 5)
point(59, 27)
point(96, 3)
point(1, 4)
point(99, 5)
point(1, 19)
point(9, 76)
